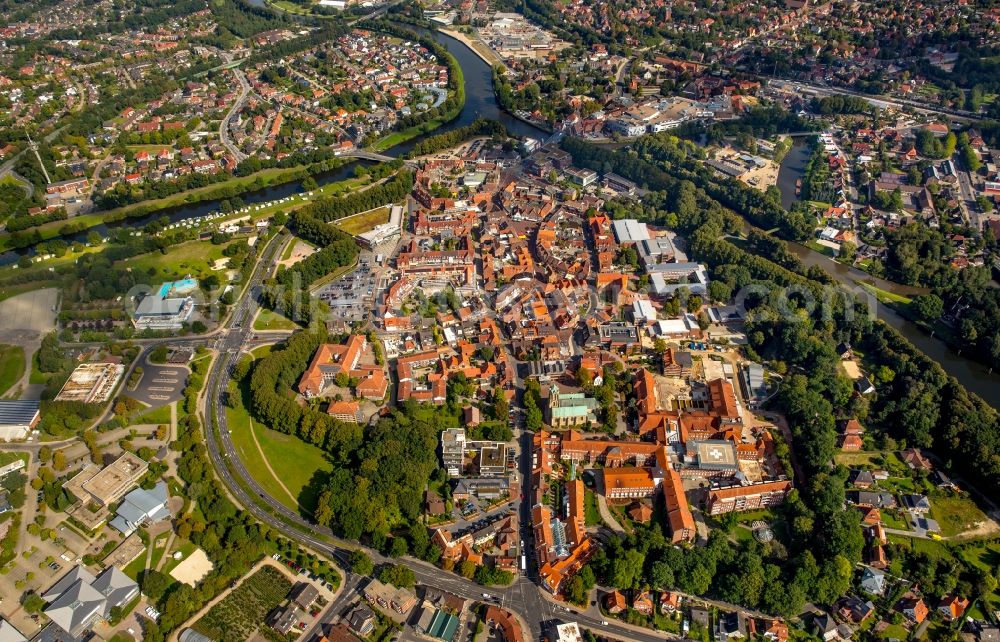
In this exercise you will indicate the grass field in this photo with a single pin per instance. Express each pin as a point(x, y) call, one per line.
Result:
point(159, 549)
point(592, 515)
point(893, 521)
point(956, 514)
point(884, 296)
point(856, 458)
point(157, 416)
point(11, 366)
point(267, 320)
point(396, 138)
point(194, 258)
point(136, 566)
point(822, 249)
point(364, 221)
point(295, 461)
point(186, 548)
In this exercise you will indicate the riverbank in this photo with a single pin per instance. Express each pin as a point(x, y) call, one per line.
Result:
point(237, 185)
point(477, 47)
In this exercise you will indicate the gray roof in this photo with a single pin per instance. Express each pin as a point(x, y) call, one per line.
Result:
point(76, 608)
point(153, 305)
point(190, 635)
point(873, 580)
point(630, 230)
point(117, 587)
point(140, 506)
point(79, 598)
point(14, 413)
point(75, 574)
point(10, 634)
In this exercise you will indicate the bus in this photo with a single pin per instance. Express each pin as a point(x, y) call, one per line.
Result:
point(524, 564)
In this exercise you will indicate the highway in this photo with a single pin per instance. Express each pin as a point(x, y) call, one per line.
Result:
point(523, 597)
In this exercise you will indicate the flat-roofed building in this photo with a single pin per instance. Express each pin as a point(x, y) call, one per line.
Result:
point(155, 312)
point(453, 450)
point(91, 382)
point(716, 455)
point(109, 484)
point(17, 419)
point(629, 230)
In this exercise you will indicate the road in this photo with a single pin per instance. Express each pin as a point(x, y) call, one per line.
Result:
point(523, 597)
point(965, 188)
point(881, 101)
point(224, 126)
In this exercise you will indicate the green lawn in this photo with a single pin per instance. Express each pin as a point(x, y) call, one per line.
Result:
point(159, 548)
point(194, 258)
point(156, 416)
point(893, 521)
point(364, 221)
point(822, 249)
point(956, 514)
point(884, 296)
point(267, 177)
point(11, 366)
point(856, 458)
point(895, 631)
point(136, 566)
point(268, 320)
point(295, 461)
point(592, 516)
point(396, 138)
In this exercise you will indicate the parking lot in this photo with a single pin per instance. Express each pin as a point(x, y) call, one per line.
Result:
point(350, 297)
point(160, 384)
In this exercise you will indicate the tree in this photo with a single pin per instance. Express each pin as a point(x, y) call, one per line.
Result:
point(467, 569)
point(501, 407)
point(155, 584)
point(928, 307)
point(399, 547)
point(397, 575)
point(848, 251)
point(59, 460)
point(361, 564)
point(584, 378)
point(626, 570)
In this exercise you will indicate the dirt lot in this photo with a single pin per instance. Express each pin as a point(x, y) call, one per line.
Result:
point(299, 252)
point(26, 317)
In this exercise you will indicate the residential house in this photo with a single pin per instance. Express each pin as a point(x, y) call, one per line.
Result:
point(914, 608)
point(643, 603)
point(953, 607)
point(615, 603)
point(873, 581)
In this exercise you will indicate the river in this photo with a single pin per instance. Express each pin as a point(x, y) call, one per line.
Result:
point(480, 102)
point(974, 376)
